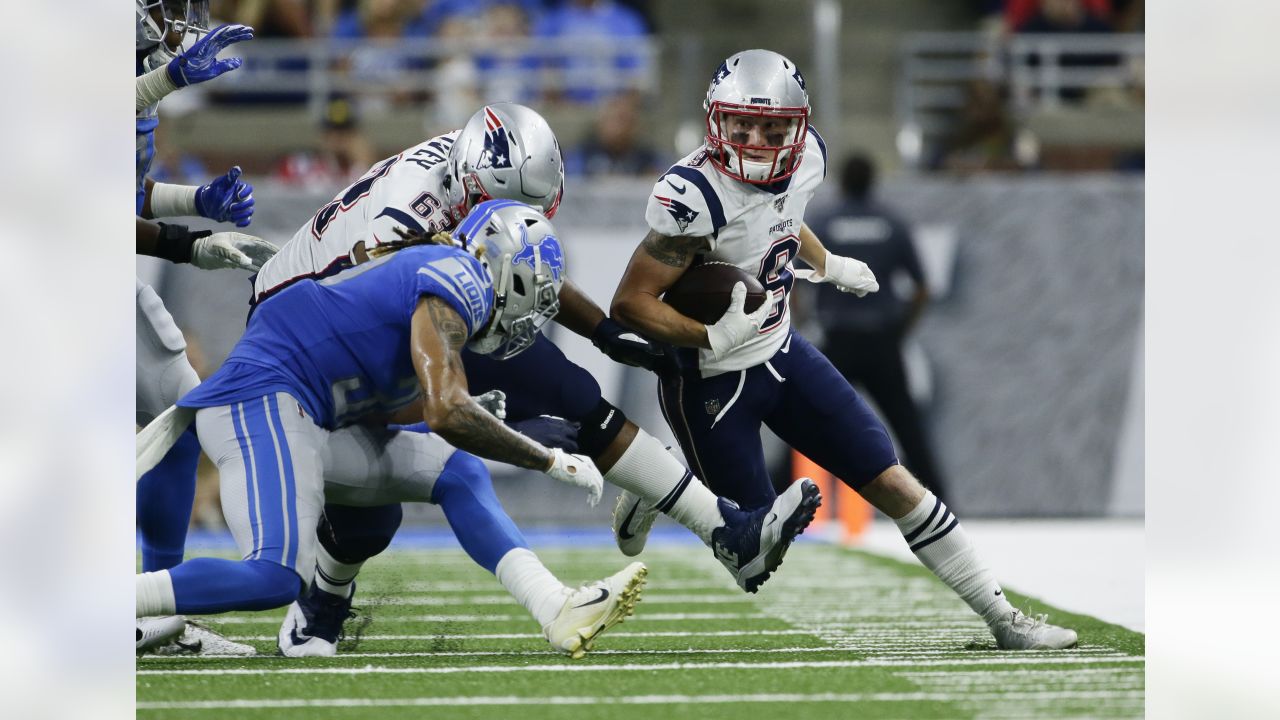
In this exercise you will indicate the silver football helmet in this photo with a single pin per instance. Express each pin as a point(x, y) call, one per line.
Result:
point(184, 17)
point(517, 245)
point(506, 151)
point(757, 117)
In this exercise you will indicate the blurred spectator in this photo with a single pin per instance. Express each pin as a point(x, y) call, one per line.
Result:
point(1070, 16)
point(593, 39)
point(1018, 13)
point(342, 156)
point(385, 69)
point(268, 18)
point(439, 12)
point(986, 139)
point(614, 146)
point(506, 71)
point(864, 336)
point(171, 163)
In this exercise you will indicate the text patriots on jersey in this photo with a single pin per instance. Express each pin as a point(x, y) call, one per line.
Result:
point(681, 213)
point(785, 224)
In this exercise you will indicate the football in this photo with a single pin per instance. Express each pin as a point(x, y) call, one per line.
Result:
point(703, 291)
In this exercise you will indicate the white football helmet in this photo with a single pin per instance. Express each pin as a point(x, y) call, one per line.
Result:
point(757, 117)
point(517, 245)
point(506, 151)
point(184, 17)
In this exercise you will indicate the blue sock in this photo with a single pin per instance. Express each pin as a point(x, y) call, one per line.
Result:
point(164, 498)
point(212, 585)
point(465, 492)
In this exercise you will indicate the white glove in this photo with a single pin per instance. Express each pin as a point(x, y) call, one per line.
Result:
point(231, 250)
point(847, 274)
point(577, 470)
point(736, 326)
point(494, 402)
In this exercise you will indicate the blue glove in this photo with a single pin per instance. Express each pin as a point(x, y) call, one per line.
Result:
point(550, 431)
point(226, 199)
point(624, 345)
point(201, 62)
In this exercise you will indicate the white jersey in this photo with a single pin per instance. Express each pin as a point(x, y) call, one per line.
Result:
point(755, 227)
point(405, 191)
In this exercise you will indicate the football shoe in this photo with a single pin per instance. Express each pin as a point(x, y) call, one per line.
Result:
point(752, 544)
point(1019, 631)
point(594, 608)
point(154, 632)
point(632, 519)
point(199, 640)
point(313, 625)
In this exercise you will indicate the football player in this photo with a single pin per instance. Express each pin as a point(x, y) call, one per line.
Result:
point(165, 495)
point(740, 199)
point(324, 358)
point(508, 151)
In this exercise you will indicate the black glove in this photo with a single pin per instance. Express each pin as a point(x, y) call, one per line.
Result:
point(624, 345)
point(550, 431)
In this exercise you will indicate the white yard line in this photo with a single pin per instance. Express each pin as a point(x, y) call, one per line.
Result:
point(650, 598)
point(647, 667)
point(501, 617)
point(636, 700)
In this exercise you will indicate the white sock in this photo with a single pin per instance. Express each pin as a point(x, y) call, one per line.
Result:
point(531, 584)
point(335, 577)
point(153, 594)
point(937, 539)
point(651, 472)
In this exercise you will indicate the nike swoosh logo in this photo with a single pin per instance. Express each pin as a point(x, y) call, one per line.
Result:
point(999, 592)
point(297, 639)
point(677, 188)
point(773, 517)
point(190, 647)
point(626, 522)
point(604, 594)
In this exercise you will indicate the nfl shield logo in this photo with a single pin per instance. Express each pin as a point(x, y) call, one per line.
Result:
point(780, 203)
point(713, 406)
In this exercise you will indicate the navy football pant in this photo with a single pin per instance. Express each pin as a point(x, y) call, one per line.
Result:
point(538, 381)
point(799, 395)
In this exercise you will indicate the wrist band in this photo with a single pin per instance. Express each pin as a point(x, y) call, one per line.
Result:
point(174, 242)
point(153, 86)
point(173, 200)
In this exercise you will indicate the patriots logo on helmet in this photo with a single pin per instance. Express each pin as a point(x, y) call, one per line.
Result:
point(497, 148)
point(721, 73)
point(799, 78)
point(683, 214)
point(548, 250)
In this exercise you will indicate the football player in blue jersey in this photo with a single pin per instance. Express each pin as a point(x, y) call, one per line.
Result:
point(164, 497)
point(508, 151)
point(325, 364)
point(740, 200)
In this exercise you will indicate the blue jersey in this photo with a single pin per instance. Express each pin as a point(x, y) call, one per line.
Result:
point(147, 120)
point(341, 345)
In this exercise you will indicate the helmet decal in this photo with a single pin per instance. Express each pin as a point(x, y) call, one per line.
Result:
point(497, 148)
point(721, 73)
point(548, 250)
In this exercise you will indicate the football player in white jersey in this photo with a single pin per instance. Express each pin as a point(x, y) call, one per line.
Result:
point(740, 199)
point(505, 151)
point(164, 495)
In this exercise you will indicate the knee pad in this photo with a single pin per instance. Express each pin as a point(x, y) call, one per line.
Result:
point(278, 585)
point(354, 534)
point(463, 472)
point(599, 428)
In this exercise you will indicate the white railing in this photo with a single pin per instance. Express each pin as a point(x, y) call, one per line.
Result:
point(421, 68)
point(1037, 73)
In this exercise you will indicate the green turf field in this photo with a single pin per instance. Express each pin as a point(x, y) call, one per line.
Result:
point(834, 634)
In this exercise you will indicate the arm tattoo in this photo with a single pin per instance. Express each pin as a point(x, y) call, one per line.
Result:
point(448, 323)
point(676, 251)
point(468, 427)
point(472, 429)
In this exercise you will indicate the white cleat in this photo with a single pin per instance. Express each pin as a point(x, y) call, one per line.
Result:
point(293, 640)
point(1019, 631)
point(154, 632)
point(200, 640)
point(632, 519)
point(592, 609)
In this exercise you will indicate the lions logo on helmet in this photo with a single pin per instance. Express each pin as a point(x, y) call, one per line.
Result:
point(547, 252)
point(518, 247)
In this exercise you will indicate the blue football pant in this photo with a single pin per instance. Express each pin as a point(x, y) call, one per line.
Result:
point(799, 395)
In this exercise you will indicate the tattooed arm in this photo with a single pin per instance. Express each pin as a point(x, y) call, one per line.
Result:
point(436, 342)
point(655, 266)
